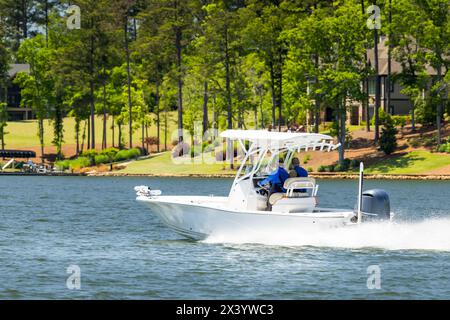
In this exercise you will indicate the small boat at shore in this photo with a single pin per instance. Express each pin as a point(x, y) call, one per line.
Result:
point(251, 208)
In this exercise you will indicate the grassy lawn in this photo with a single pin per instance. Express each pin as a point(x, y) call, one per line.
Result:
point(23, 134)
point(163, 165)
point(350, 128)
point(415, 162)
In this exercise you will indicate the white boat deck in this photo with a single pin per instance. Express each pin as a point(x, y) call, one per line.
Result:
point(221, 203)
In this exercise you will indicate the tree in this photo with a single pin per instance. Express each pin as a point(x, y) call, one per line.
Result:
point(436, 42)
point(4, 66)
point(153, 50)
point(338, 36)
point(42, 12)
point(37, 87)
point(18, 16)
point(221, 31)
point(178, 20)
point(125, 8)
point(265, 23)
point(406, 34)
point(377, 79)
point(388, 140)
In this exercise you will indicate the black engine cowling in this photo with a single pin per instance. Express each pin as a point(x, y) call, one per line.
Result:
point(375, 205)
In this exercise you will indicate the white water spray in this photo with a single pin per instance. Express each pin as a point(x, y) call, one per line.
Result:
point(430, 234)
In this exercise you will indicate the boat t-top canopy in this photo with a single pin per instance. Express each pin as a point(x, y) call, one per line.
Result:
point(261, 142)
point(283, 140)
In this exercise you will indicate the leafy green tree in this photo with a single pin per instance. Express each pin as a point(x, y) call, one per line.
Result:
point(18, 17)
point(3, 123)
point(436, 42)
point(154, 52)
point(178, 22)
point(406, 32)
point(264, 27)
point(4, 66)
point(338, 36)
point(221, 29)
point(37, 86)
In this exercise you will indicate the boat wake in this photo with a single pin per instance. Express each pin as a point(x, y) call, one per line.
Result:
point(430, 234)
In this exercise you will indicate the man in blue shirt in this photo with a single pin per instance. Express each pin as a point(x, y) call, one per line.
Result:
point(301, 173)
point(298, 172)
point(276, 179)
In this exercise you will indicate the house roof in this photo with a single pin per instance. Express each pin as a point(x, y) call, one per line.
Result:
point(18, 67)
point(396, 67)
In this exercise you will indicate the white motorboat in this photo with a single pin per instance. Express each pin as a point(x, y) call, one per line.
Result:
point(249, 208)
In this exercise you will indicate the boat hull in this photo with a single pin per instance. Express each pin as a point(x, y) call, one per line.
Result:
point(198, 221)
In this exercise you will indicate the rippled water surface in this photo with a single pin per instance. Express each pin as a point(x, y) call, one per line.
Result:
point(123, 251)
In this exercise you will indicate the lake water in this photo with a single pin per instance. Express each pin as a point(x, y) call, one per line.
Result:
point(123, 251)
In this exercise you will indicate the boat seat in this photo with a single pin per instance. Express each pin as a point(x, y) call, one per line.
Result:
point(299, 182)
point(294, 185)
point(274, 197)
point(287, 205)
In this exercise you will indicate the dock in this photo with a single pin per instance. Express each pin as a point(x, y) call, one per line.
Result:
point(50, 174)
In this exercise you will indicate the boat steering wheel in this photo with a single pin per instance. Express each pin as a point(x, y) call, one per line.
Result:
point(263, 190)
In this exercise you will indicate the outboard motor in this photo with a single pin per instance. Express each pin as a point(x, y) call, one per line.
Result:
point(375, 205)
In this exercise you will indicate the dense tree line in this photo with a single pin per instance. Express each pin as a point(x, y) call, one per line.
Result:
point(277, 62)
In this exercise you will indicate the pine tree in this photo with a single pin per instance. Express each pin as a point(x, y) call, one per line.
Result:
point(388, 140)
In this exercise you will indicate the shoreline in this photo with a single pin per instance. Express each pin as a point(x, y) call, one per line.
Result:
point(327, 175)
point(322, 175)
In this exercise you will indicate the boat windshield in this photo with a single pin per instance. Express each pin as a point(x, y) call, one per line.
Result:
point(270, 163)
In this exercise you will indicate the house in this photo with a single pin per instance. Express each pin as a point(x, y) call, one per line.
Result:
point(15, 111)
point(400, 104)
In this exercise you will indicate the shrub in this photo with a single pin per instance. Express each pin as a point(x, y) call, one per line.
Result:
point(342, 167)
point(354, 164)
point(306, 159)
point(101, 159)
point(399, 121)
point(109, 152)
point(444, 147)
point(63, 165)
point(123, 155)
point(383, 117)
point(134, 153)
point(89, 154)
point(310, 169)
point(329, 168)
point(75, 164)
point(447, 117)
point(321, 169)
point(415, 143)
point(81, 162)
point(388, 140)
point(347, 162)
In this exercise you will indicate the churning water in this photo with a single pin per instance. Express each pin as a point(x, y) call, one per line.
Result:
point(123, 251)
